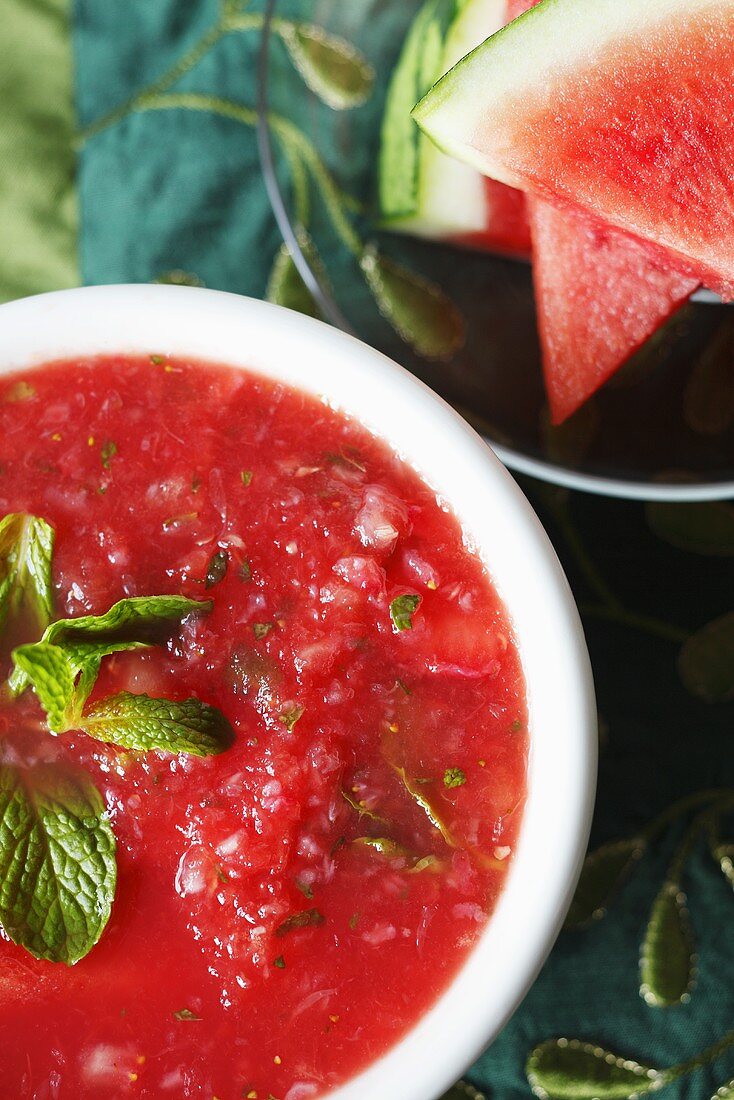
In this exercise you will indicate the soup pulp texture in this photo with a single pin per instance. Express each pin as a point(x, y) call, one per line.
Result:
point(347, 729)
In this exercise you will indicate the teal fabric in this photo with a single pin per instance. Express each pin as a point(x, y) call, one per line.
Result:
point(167, 190)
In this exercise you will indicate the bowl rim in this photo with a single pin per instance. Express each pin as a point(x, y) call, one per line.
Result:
point(523, 463)
point(504, 531)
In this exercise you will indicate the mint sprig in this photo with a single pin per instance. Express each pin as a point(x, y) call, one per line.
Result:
point(139, 722)
point(57, 862)
point(26, 548)
point(57, 850)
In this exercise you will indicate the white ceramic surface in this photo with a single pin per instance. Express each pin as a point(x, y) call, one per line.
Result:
point(503, 529)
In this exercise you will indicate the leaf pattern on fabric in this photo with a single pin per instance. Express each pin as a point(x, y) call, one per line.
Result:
point(568, 1069)
point(286, 286)
point(179, 278)
point(725, 1092)
point(667, 958)
point(697, 528)
point(706, 661)
point(708, 401)
point(604, 871)
point(723, 853)
point(330, 66)
point(417, 309)
point(462, 1090)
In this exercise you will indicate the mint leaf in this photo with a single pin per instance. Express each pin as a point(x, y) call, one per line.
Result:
point(26, 549)
point(57, 862)
point(139, 619)
point(139, 722)
point(402, 610)
point(50, 672)
point(132, 623)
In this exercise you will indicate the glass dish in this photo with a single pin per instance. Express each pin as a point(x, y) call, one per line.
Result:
point(662, 428)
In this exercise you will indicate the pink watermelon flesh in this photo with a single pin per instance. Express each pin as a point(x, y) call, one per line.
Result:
point(507, 226)
point(600, 295)
point(639, 137)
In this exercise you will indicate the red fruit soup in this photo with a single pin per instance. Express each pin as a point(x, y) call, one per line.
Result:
point(287, 909)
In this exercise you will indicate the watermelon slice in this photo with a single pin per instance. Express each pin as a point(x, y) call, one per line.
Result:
point(423, 192)
point(620, 107)
point(600, 294)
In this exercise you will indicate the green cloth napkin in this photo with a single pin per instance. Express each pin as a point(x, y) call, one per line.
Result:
point(104, 181)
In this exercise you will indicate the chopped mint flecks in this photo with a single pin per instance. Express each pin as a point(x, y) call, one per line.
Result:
point(402, 610)
point(217, 568)
point(290, 716)
point(108, 452)
point(307, 918)
point(454, 777)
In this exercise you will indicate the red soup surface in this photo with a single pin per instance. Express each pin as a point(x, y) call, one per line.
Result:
point(259, 945)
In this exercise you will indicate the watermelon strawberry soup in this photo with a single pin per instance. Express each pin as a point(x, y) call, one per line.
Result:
point(264, 737)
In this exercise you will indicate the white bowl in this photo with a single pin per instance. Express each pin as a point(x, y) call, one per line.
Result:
point(501, 527)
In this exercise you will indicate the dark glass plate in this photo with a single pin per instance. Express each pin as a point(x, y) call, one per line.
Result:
point(663, 428)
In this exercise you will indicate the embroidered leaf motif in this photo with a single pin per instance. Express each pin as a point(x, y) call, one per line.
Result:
point(699, 528)
point(706, 661)
point(462, 1090)
point(723, 853)
point(567, 1069)
point(667, 960)
point(708, 401)
point(287, 288)
point(418, 310)
point(179, 278)
point(331, 67)
point(603, 873)
point(139, 722)
point(726, 1092)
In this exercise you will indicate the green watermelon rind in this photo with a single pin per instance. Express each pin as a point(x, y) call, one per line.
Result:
point(424, 209)
point(399, 163)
